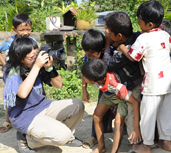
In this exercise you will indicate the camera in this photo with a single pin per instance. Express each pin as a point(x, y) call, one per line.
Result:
point(58, 56)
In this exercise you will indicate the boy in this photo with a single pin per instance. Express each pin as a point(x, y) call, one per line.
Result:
point(166, 26)
point(118, 24)
point(21, 26)
point(153, 47)
point(95, 72)
point(93, 41)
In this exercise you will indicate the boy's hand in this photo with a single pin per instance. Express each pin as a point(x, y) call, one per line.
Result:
point(135, 136)
point(49, 63)
point(85, 96)
point(109, 41)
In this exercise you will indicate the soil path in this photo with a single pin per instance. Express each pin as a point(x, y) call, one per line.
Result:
point(8, 143)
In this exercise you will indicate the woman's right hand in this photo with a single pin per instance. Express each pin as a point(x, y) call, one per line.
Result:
point(41, 59)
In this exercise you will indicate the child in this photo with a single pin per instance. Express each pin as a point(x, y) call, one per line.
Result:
point(21, 26)
point(166, 26)
point(120, 27)
point(45, 122)
point(95, 72)
point(153, 47)
point(93, 43)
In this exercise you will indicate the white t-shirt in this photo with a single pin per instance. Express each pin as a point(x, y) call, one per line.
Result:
point(153, 47)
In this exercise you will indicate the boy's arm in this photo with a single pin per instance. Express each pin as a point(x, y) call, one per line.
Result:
point(122, 92)
point(85, 96)
point(125, 51)
point(2, 60)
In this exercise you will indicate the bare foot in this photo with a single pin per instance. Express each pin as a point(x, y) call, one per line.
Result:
point(165, 144)
point(97, 150)
point(141, 148)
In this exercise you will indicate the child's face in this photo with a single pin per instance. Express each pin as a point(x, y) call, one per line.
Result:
point(30, 57)
point(105, 30)
point(145, 27)
point(89, 82)
point(92, 55)
point(115, 38)
point(93, 82)
point(23, 30)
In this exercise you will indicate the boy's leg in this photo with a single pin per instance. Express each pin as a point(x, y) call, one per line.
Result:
point(98, 116)
point(56, 125)
point(164, 123)
point(129, 120)
point(122, 111)
point(105, 118)
point(90, 142)
point(148, 111)
point(118, 134)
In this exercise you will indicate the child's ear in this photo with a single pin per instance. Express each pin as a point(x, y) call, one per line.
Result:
point(14, 30)
point(151, 25)
point(120, 36)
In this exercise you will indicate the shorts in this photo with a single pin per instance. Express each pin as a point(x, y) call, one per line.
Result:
point(111, 99)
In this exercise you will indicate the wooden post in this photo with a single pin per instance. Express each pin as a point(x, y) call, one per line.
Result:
point(71, 47)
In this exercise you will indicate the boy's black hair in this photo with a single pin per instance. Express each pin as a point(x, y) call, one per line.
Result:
point(151, 11)
point(94, 70)
point(107, 16)
point(119, 22)
point(20, 47)
point(93, 40)
point(166, 26)
point(21, 18)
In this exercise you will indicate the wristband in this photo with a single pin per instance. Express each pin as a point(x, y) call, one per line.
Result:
point(53, 73)
point(49, 69)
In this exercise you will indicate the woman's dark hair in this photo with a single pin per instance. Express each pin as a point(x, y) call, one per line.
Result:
point(94, 70)
point(151, 11)
point(18, 50)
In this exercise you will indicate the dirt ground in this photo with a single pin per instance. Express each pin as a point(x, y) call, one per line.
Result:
point(8, 143)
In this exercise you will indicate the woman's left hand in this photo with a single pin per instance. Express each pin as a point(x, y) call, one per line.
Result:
point(49, 63)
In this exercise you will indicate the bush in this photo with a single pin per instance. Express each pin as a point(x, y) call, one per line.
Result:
point(72, 87)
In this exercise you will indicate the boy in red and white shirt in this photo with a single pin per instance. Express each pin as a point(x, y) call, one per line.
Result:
point(95, 72)
point(153, 47)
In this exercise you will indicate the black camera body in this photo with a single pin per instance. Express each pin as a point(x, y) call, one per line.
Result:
point(58, 56)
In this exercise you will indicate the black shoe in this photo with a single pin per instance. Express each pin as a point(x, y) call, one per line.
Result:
point(74, 143)
point(22, 144)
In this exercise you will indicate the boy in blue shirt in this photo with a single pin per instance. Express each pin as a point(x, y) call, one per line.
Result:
point(21, 26)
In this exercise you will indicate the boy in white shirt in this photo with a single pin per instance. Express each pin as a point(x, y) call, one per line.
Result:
point(153, 47)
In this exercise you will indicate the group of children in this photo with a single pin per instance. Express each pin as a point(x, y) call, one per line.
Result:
point(131, 69)
point(152, 50)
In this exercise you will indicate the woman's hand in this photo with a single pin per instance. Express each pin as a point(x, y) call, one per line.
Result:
point(49, 63)
point(41, 59)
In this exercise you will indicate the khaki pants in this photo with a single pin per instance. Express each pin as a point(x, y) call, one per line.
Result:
point(55, 125)
point(129, 120)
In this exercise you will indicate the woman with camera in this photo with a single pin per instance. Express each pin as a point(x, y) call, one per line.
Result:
point(45, 122)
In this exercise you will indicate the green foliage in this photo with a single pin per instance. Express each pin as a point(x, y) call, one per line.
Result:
point(86, 12)
point(72, 87)
point(64, 8)
point(20, 7)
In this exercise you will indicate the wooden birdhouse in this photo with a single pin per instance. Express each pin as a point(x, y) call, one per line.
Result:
point(69, 20)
